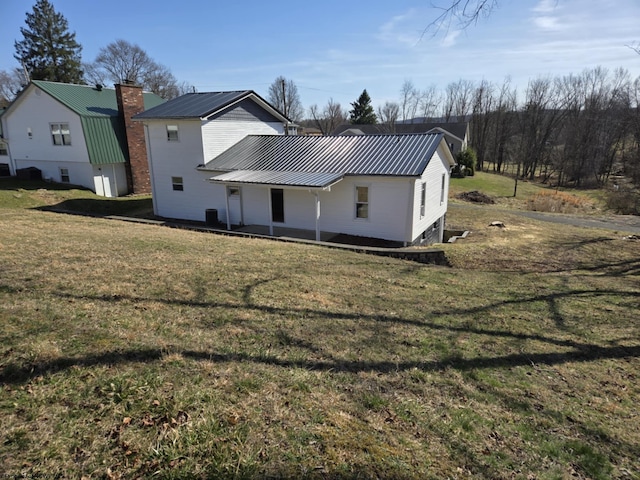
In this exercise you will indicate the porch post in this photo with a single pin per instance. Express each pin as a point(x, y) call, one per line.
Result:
point(226, 201)
point(269, 200)
point(317, 196)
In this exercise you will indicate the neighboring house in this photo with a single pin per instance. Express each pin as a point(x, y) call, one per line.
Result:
point(81, 135)
point(456, 133)
point(186, 132)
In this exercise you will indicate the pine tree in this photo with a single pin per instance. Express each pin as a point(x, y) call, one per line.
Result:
point(49, 51)
point(362, 112)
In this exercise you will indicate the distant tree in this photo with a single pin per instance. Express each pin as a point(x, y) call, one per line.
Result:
point(388, 115)
point(362, 112)
point(10, 84)
point(283, 94)
point(121, 61)
point(48, 50)
point(329, 118)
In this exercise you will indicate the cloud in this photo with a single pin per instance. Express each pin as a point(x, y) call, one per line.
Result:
point(546, 16)
point(450, 39)
point(545, 6)
point(547, 23)
point(399, 30)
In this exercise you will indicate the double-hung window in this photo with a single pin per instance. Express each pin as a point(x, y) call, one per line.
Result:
point(362, 202)
point(423, 199)
point(172, 133)
point(64, 175)
point(4, 150)
point(177, 184)
point(60, 134)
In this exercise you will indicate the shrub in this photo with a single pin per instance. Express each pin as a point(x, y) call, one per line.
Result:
point(467, 160)
point(625, 202)
point(558, 202)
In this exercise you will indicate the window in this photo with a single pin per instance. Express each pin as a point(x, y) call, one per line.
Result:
point(444, 185)
point(423, 198)
point(60, 134)
point(234, 191)
point(29, 133)
point(176, 183)
point(3, 148)
point(362, 202)
point(172, 133)
point(64, 175)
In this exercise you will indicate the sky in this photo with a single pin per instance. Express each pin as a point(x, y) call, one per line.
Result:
point(336, 49)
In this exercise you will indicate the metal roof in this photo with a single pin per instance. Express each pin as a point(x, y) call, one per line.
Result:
point(202, 105)
point(89, 101)
point(398, 155)
point(457, 129)
point(284, 179)
point(98, 110)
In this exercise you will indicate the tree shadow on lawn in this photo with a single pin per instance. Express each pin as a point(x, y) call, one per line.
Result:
point(580, 352)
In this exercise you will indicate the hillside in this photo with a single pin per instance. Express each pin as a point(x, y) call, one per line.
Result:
point(131, 351)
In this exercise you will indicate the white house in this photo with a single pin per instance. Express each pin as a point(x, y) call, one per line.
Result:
point(226, 152)
point(79, 134)
point(186, 132)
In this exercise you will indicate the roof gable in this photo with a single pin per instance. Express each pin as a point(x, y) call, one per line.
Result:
point(395, 155)
point(90, 101)
point(206, 105)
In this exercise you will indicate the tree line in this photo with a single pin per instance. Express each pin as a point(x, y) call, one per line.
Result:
point(49, 51)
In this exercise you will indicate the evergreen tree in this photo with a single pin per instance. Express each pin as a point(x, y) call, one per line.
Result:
point(48, 50)
point(362, 112)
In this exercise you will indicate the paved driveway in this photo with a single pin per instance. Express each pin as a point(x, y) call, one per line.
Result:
point(620, 223)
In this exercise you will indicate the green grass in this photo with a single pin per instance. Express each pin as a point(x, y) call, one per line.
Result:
point(501, 188)
point(134, 351)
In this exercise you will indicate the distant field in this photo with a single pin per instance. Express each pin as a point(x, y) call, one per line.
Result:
point(131, 351)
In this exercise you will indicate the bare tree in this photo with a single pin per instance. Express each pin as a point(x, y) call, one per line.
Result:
point(461, 14)
point(483, 103)
point(458, 100)
point(283, 94)
point(430, 100)
point(10, 84)
point(329, 118)
point(409, 101)
point(122, 61)
point(388, 116)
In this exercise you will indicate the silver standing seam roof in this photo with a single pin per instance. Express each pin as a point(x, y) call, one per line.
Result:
point(199, 105)
point(321, 161)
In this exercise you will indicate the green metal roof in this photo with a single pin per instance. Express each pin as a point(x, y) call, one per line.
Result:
point(98, 110)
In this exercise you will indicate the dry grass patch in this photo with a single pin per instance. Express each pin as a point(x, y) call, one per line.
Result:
point(134, 351)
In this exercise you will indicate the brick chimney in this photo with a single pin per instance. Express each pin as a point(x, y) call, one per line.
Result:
point(130, 103)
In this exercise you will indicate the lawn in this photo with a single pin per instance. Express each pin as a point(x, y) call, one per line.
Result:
point(131, 351)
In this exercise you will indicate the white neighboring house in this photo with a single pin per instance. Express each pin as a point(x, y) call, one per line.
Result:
point(225, 152)
point(79, 134)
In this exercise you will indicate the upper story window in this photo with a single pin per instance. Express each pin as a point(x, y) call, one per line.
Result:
point(443, 188)
point(362, 202)
point(423, 199)
point(3, 148)
point(60, 134)
point(172, 133)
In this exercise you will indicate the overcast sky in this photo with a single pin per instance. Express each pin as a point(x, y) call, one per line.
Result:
point(335, 49)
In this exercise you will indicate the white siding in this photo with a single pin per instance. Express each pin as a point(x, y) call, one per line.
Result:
point(198, 143)
point(110, 180)
point(434, 208)
point(217, 136)
point(79, 173)
point(37, 112)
